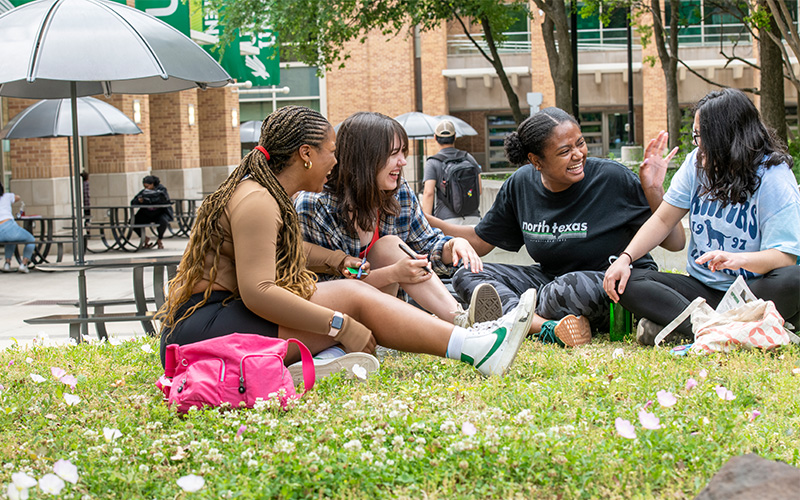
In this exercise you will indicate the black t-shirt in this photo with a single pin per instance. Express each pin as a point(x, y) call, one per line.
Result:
point(573, 230)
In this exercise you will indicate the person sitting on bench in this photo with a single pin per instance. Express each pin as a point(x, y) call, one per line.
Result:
point(11, 231)
point(154, 193)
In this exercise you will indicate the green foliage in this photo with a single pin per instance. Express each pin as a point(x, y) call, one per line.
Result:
point(546, 430)
point(794, 150)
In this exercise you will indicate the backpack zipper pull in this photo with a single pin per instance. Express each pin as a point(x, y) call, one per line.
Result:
point(241, 385)
point(180, 388)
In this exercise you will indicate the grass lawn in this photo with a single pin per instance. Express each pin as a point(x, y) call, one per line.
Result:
point(422, 428)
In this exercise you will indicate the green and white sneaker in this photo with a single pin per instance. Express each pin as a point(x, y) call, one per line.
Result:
point(492, 346)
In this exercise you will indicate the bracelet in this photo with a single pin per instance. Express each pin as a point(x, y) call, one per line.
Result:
point(626, 253)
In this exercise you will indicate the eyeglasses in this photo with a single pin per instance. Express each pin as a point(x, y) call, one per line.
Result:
point(695, 137)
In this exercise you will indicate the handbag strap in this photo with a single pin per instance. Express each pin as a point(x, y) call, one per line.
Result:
point(309, 374)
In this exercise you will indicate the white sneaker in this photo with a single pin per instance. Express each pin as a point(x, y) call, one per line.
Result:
point(492, 346)
point(6, 267)
point(23, 269)
point(352, 363)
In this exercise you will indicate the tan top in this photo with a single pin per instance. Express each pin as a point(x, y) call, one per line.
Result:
point(252, 226)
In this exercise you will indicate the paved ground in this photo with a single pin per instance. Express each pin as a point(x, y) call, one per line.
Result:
point(36, 294)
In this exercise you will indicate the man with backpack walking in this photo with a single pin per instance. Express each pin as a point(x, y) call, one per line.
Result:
point(453, 180)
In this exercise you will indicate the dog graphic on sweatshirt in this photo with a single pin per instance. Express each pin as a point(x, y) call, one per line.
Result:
point(714, 235)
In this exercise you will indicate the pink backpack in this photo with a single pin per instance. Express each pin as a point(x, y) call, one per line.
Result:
point(238, 369)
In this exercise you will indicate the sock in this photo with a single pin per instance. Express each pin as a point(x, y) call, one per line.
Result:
point(331, 352)
point(456, 342)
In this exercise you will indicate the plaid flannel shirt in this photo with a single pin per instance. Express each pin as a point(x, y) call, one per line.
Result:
point(321, 225)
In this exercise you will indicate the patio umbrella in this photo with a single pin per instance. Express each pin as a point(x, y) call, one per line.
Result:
point(418, 125)
point(462, 128)
point(250, 131)
point(72, 48)
point(53, 118)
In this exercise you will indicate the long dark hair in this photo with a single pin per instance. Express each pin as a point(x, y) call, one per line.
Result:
point(282, 134)
point(733, 143)
point(533, 133)
point(363, 146)
point(2, 189)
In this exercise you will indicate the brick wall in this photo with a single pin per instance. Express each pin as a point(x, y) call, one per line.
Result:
point(174, 144)
point(541, 81)
point(36, 158)
point(219, 139)
point(654, 90)
point(378, 76)
point(122, 153)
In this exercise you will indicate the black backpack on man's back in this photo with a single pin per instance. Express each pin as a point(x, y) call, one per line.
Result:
point(461, 184)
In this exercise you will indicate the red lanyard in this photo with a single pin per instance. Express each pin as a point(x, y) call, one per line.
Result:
point(375, 236)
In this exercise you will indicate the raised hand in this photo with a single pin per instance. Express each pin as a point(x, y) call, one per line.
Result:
point(653, 169)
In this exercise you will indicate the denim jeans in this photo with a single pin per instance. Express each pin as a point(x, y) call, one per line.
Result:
point(10, 231)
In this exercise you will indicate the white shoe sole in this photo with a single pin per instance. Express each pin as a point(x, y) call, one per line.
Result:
point(325, 367)
point(522, 325)
point(485, 304)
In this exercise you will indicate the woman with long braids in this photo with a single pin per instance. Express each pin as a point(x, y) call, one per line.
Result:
point(571, 212)
point(246, 268)
point(744, 215)
point(368, 210)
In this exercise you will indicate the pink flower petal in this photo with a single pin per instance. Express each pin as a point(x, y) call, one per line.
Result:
point(468, 429)
point(724, 394)
point(241, 430)
point(57, 372)
point(648, 420)
point(69, 380)
point(666, 398)
point(754, 415)
point(703, 373)
point(691, 384)
point(625, 428)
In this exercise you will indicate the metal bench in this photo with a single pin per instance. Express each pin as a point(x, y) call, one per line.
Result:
point(75, 321)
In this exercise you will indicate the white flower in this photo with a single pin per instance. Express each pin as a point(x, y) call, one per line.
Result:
point(625, 428)
point(52, 484)
point(29, 360)
point(71, 399)
point(360, 372)
point(147, 348)
point(648, 420)
point(57, 372)
point(354, 444)
point(66, 471)
point(144, 469)
point(37, 378)
point(69, 380)
point(191, 483)
point(468, 429)
point(618, 353)
point(20, 482)
point(724, 394)
point(111, 434)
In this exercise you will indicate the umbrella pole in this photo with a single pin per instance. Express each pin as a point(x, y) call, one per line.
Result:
point(84, 310)
point(72, 195)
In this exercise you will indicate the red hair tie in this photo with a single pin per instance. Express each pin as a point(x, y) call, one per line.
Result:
point(261, 148)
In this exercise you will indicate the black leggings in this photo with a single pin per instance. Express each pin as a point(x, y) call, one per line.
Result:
point(146, 216)
point(660, 297)
point(215, 320)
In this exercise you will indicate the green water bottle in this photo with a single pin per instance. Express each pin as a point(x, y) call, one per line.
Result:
point(619, 322)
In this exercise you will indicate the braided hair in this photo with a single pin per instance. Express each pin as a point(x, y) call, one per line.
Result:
point(532, 134)
point(282, 134)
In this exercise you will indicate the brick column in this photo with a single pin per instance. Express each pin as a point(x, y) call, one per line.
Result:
point(39, 170)
point(541, 80)
point(220, 147)
point(118, 163)
point(175, 145)
point(654, 89)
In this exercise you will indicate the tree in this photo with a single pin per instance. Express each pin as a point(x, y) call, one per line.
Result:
point(557, 43)
point(315, 31)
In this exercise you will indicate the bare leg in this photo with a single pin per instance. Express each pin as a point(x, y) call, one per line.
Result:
point(394, 323)
point(431, 294)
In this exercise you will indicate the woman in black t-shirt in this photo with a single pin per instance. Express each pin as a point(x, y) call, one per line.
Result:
point(571, 212)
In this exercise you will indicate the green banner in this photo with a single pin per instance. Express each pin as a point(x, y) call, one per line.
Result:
point(250, 57)
point(173, 12)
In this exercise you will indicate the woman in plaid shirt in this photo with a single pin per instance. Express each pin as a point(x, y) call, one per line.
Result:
point(368, 210)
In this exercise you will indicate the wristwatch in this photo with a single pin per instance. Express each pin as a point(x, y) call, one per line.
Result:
point(337, 321)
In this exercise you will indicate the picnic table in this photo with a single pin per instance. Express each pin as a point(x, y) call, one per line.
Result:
point(117, 229)
point(45, 237)
point(162, 267)
point(185, 215)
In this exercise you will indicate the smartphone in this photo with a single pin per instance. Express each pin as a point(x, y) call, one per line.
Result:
point(354, 271)
point(411, 254)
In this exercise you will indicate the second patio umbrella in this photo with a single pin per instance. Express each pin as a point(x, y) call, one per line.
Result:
point(53, 118)
point(250, 131)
